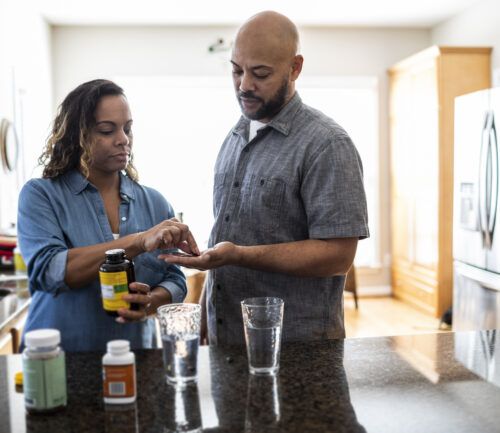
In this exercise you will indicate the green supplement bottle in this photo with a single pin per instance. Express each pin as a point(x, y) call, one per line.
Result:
point(44, 372)
point(115, 274)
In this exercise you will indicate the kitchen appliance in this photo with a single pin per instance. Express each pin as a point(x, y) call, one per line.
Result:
point(476, 225)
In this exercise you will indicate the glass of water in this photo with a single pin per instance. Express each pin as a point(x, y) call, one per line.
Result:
point(180, 335)
point(263, 319)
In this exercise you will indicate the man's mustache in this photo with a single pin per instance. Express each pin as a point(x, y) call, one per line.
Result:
point(249, 95)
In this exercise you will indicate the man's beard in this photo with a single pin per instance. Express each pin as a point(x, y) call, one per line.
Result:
point(268, 109)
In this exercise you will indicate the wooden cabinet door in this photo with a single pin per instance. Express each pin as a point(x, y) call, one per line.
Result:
point(414, 138)
point(423, 174)
point(402, 209)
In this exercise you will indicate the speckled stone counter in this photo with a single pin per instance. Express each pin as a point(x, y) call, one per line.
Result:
point(425, 383)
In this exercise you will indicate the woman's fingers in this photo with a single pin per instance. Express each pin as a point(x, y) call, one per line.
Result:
point(141, 296)
point(170, 234)
point(192, 244)
point(139, 287)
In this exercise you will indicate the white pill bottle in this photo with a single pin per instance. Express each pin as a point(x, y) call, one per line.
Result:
point(118, 373)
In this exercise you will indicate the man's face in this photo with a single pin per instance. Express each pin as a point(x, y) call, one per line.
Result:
point(261, 83)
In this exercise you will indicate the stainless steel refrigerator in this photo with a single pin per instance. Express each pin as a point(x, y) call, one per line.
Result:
point(476, 216)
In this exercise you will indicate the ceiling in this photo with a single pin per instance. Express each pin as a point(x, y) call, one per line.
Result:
point(379, 13)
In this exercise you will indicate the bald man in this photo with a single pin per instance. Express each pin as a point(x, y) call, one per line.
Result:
point(289, 202)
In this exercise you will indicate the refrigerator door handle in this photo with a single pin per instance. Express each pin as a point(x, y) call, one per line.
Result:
point(486, 279)
point(493, 201)
point(483, 183)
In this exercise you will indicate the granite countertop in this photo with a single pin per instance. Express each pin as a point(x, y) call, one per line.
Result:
point(423, 383)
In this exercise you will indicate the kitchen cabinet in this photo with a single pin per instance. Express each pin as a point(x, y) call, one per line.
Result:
point(194, 281)
point(14, 304)
point(422, 92)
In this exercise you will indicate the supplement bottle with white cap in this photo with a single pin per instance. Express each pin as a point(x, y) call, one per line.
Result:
point(44, 372)
point(118, 373)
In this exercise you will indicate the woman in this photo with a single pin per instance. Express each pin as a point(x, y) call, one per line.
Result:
point(87, 202)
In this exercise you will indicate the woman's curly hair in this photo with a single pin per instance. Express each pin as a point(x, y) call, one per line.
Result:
point(68, 145)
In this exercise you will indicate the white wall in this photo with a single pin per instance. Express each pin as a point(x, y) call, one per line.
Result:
point(84, 53)
point(478, 25)
point(25, 92)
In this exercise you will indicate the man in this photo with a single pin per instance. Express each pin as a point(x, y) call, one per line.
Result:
point(289, 202)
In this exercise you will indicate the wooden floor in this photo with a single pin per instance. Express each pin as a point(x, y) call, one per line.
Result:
point(381, 316)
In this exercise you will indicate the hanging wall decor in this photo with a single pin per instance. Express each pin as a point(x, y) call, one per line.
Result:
point(9, 145)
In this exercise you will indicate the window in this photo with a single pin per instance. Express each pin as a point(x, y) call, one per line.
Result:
point(176, 118)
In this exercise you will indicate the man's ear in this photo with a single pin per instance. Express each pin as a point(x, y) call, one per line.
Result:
point(298, 61)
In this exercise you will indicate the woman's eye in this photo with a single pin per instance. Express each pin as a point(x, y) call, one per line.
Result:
point(128, 131)
point(105, 132)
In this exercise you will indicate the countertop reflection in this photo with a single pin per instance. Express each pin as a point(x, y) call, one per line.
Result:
point(425, 383)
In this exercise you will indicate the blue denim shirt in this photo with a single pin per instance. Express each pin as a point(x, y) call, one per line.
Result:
point(68, 212)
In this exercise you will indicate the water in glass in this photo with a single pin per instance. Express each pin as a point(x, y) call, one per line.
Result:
point(263, 349)
point(180, 355)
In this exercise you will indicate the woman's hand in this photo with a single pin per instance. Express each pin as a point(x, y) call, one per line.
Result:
point(142, 297)
point(169, 234)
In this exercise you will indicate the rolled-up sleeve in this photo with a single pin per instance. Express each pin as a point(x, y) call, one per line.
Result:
point(41, 241)
point(175, 283)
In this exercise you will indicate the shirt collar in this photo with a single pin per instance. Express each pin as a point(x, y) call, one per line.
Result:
point(282, 122)
point(78, 182)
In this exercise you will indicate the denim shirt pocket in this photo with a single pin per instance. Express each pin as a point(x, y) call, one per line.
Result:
point(149, 269)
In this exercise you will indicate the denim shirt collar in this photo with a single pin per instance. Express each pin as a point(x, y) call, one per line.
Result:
point(282, 122)
point(78, 182)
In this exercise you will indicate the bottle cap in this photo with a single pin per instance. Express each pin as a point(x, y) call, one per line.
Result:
point(116, 255)
point(118, 347)
point(42, 338)
point(116, 251)
point(18, 378)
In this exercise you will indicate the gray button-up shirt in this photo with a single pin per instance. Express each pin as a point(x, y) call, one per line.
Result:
point(299, 178)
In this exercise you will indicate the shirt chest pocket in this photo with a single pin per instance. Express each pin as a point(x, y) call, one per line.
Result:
point(262, 202)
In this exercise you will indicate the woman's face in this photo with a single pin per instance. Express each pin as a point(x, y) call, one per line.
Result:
point(111, 137)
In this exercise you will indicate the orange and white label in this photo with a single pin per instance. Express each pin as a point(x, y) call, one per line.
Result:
point(118, 380)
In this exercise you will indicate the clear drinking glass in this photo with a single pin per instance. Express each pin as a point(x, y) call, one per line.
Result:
point(180, 334)
point(263, 319)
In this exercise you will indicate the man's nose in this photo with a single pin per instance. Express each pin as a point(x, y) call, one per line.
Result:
point(247, 83)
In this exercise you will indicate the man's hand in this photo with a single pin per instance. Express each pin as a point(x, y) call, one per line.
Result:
point(168, 234)
point(224, 253)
